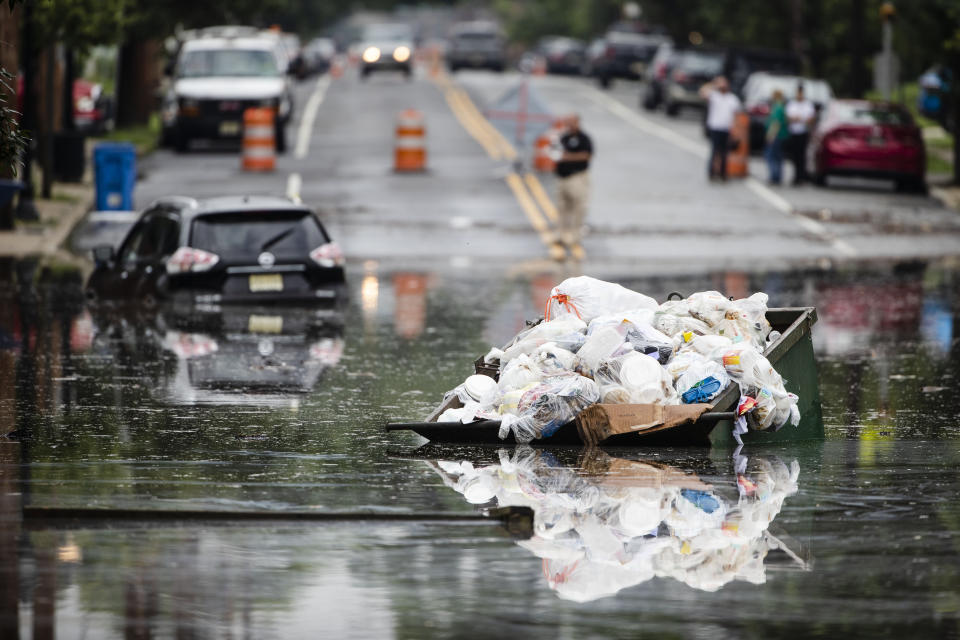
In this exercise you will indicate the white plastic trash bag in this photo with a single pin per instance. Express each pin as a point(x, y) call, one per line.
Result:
point(587, 298)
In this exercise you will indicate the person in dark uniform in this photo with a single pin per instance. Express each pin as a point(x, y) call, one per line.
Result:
point(573, 188)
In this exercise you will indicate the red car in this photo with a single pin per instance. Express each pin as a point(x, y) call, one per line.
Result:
point(92, 110)
point(873, 139)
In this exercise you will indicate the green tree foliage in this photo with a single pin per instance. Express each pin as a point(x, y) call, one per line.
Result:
point(78, 24)
point(12, 139)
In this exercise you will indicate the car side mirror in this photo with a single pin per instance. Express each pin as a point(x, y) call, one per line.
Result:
point(103, 254)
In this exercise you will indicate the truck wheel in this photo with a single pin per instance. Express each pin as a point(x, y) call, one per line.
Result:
point(280, 138)
point(181, 142)
point(672, 109)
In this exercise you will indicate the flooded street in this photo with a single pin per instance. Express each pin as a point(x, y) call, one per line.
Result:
point(279, 412)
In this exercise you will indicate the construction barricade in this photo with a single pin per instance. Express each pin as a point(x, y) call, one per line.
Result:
point(259, 144)
point(410, 151)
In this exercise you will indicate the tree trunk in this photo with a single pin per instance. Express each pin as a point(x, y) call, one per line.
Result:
point(137, 80)
point(69, 75)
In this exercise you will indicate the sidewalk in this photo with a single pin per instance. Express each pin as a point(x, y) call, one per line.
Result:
point(58, 216)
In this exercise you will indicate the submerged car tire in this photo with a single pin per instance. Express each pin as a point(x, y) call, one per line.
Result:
point(912, 184)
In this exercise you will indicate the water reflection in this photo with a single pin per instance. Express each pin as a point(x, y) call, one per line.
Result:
point(259, 357)
point(609, 523)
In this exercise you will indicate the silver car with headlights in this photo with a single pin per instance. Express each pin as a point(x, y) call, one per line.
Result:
point(217, 77)
point(386, 47)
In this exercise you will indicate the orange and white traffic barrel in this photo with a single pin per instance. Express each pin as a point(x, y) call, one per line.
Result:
point(410, 151)
point(738, 158)
point(259, 146)
point(543, 157)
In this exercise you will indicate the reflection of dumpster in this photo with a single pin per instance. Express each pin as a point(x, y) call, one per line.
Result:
point(115, 166)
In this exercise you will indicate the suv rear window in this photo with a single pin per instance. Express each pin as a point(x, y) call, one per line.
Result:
point(701, 62)
point(243, 236)
point(870, 114)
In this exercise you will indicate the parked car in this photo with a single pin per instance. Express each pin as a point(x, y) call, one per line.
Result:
point(248, 249)
point(691, 69)
point(216, 77)
point(656, 74)
point(476, 45)
point(92, 108)
point(864, 138)
point(387, 47)
point(562, 55)
point(318, 55)
point(621, 54)
point(759, 89)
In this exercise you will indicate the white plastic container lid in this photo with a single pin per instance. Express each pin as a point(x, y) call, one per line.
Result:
point(478, 386)
point(639, 372)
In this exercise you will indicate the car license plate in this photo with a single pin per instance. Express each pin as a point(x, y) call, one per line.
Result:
point(638, 68)
point(876, 141)
point(265, 324)
point(266, 282)
point(476, 60)
point(229, 128)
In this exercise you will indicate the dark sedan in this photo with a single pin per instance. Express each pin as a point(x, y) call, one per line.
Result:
point(622, 54)
point(221, 250)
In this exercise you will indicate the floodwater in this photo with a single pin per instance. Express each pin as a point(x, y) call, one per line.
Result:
point(281, 411)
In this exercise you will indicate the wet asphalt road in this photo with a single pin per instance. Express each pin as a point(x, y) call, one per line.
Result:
point(652, 210)
point(280, 410)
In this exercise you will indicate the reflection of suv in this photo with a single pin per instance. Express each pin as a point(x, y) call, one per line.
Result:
point(216, 78)
point(221, 250)
point(475, 45)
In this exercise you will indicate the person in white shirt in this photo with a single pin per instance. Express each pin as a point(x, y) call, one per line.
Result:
point(800, 116)
point(722, 106)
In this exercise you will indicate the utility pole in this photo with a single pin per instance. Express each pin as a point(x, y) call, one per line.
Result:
point(887, 13)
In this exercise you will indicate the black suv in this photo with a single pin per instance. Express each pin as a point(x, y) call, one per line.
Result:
point(248, 249)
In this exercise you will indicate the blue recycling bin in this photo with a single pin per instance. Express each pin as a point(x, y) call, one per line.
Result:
point(115, 173)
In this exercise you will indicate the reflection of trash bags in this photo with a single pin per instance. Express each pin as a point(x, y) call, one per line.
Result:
point(609, 524)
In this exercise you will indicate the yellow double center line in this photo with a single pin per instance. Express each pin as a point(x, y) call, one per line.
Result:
point(528, 190)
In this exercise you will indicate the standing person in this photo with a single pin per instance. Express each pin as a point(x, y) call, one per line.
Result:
point(722, 106)
point(776, 132)
point(800, 114)
point(573, 188)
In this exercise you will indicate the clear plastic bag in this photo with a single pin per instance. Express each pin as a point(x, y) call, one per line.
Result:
point(552, 359)
point(528, 340)
point(645, 339)
point(587, 298)
point(549, 405)
point(708, 306)
point(702, 381)
point(636, 316)
point(600, 346)
point(635, 378)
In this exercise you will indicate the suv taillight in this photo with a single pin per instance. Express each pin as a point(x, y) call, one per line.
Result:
point(327, 255)
point(188, 259)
